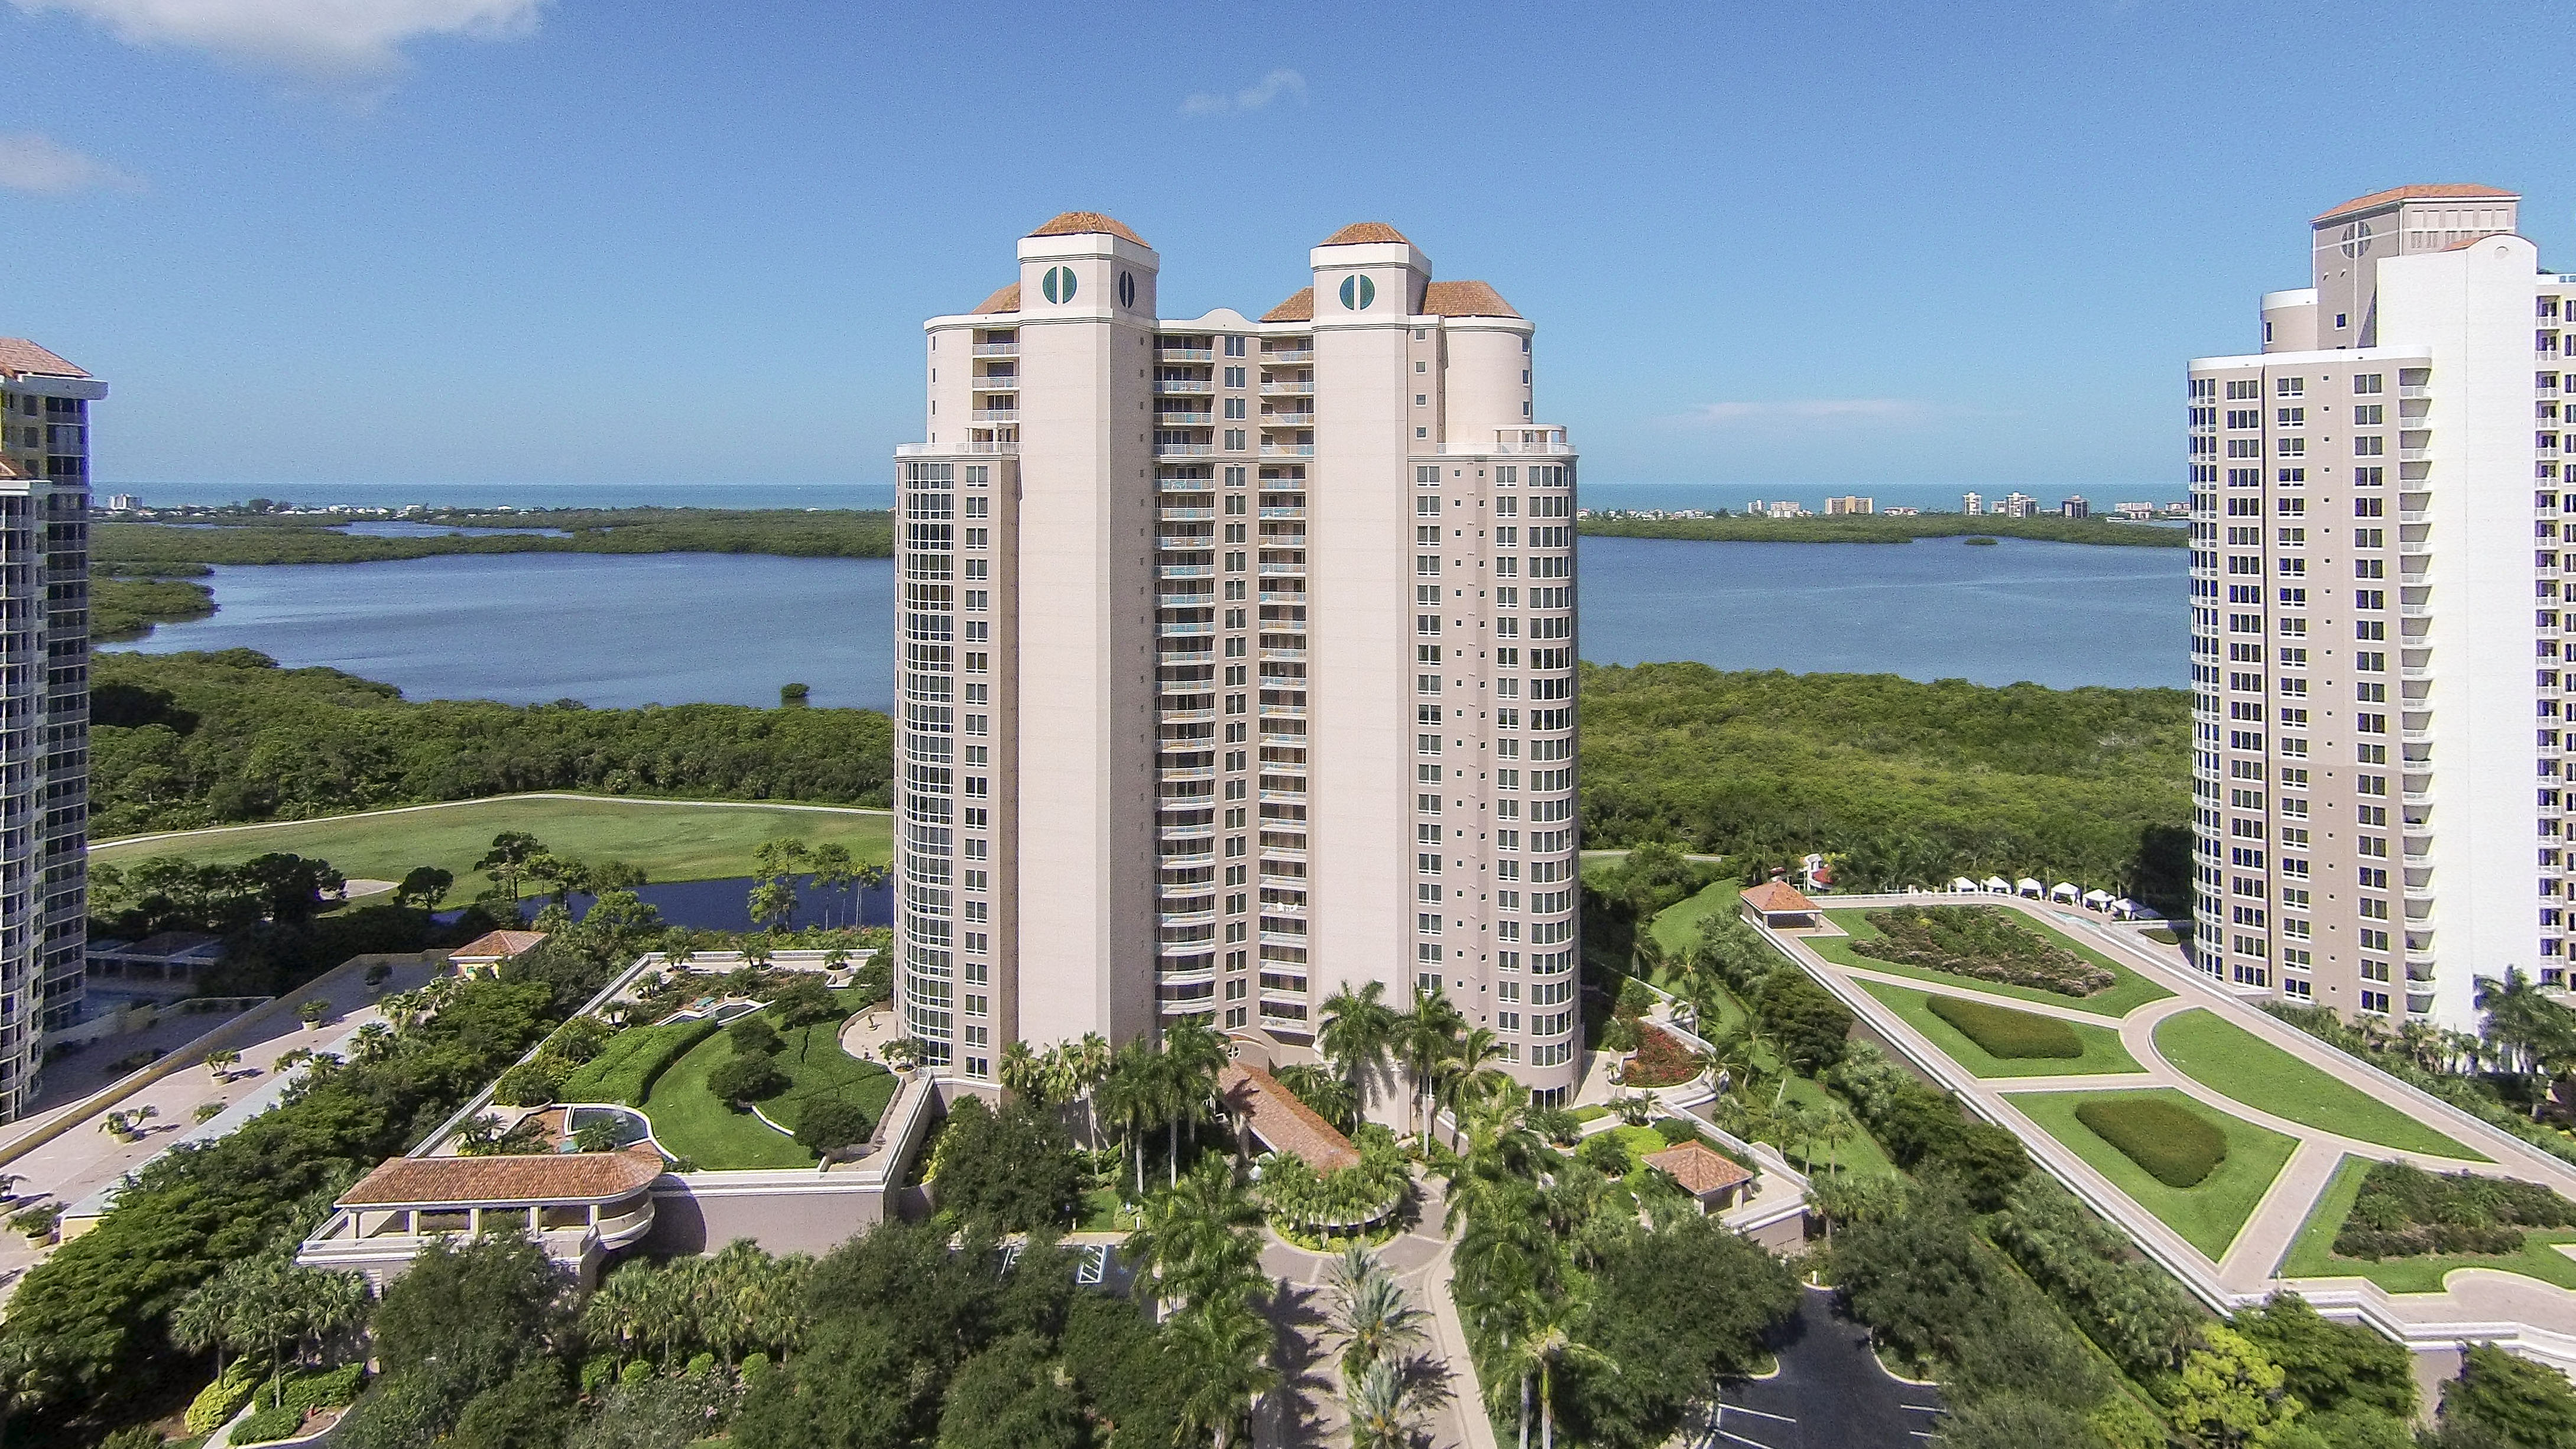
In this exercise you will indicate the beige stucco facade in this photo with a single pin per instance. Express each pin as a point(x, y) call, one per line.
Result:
point(2377, 619)
point(1236, 660)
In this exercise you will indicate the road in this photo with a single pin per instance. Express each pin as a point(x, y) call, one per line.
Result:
point(1830, 1393)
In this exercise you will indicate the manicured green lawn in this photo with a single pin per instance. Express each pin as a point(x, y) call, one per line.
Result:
point(668, 841)
point(2218, 1053)
point(2102, 1049)
point(2312, 1253)
point(1676, 929)
point(2128, 991)
point(690, 1122)
point(2207, 1216)
point(1858, 1154)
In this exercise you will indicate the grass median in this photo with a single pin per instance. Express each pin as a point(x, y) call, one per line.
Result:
point(2219, 1054)
point(2101, 1051)
point(2128, 990)
point(2208, 1216)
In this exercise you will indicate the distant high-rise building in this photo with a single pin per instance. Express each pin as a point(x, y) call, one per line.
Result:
point(1972, 504)
point(2381, 809)
point(1236, 661)
point(2018, 505)
point(44, 704)
point(2075, 507)
point(1849, 503)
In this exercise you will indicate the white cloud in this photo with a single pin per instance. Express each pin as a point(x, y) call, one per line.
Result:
point(1811, 410)
point(1251, 98)
point(325, 39)
point(32, 162)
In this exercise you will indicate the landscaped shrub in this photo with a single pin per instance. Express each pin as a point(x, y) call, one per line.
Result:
point(532, 1083)
point(1982, 942)
point(1661, 1061)
point(747, 1079)
point(223, 1398)
point(828, 1124)
point(2404, 1212)
point(2006, 1033)
point(625, 1069)
point(325, 1389)
point(2177, 1146)
point(281, 1421)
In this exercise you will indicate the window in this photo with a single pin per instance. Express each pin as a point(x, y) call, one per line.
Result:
point(2289, 387)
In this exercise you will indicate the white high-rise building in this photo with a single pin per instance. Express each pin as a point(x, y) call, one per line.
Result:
point(44, 704)
point(2378, 620)
point(1236, 660)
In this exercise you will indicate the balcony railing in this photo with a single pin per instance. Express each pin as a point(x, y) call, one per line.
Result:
point(997, 349)
point(1287, 450)
point(997, 382)
point(1287, 389)
point(994, 415)
point(1183, 450)
point(1184, 354)
point(1289, 354)
point(1173, 386)
point(1183, 420)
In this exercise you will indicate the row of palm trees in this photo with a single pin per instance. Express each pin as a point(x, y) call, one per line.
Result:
point(1445, 1063)
point(1197, 1257)
point(735, 1302)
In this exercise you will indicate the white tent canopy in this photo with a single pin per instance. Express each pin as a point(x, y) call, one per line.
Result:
point(2028, 887)
point(1997, 885)
point(1965, 885)
point(2097, 899)
point(2065, 891)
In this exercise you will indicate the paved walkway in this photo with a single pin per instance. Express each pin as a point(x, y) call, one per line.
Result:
point(2476, 1303)
point(1310, 1412)
point(82, 1158)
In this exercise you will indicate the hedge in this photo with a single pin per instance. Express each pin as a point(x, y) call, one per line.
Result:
point(2006, 1033)
point(2404, 1211)
point(1983, 942)
point(2177, 1146)
point(626, 1069)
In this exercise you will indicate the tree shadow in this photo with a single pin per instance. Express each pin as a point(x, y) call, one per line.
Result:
point(1307, 1374)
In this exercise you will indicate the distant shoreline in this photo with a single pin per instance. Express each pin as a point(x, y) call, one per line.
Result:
point(1890, 528)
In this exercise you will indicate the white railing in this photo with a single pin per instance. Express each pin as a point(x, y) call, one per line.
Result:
point(997, 349)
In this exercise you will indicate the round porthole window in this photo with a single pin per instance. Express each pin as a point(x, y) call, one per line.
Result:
point(1358, 292)
point(1057, 284)
point(1126, 289)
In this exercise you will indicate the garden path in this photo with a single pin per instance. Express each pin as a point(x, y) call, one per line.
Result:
point(2536, 1317)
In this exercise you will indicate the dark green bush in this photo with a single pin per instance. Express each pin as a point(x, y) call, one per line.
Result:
point(626, 1069)
point(2177, 1146)
point(282, 1421)
point(747, 1079)
point(2006, 1033)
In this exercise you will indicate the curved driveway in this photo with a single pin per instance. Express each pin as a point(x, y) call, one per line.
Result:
point(2482, 1304)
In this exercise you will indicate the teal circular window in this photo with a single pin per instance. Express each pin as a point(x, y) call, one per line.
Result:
point(1057, 284)
point(1358, 292)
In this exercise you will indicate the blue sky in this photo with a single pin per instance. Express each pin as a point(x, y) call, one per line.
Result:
point(311, 241)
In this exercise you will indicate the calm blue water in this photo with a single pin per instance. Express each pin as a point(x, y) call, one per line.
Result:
point(725, 905)
point(618, 630)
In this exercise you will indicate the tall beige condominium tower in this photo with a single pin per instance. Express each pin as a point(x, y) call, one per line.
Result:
point(44, 704)
point(2377, 618)
point(1237, 660)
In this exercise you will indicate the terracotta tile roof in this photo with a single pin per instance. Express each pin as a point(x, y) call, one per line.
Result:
point(1365, 231)
point(1298, 308)
point(558, 1177)
point(10, 469)
point(2437, 191)
point(1464, 299)
point(1276, 1117)
point(1087, 223)
point(1775, 897)
point(1698, 1167)
point(1006, 299)
point(496, 945)
point(17, 354)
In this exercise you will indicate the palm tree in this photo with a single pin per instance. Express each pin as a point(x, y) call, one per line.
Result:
point(1371, 1313)
point(1356, 1029)
point(1194, 1238)
point(1547, 1341)
point(1089, 1060)
point(220, 1063)
point(1426, 1037)
point(1023, 1073)
point(1467, 1075)
point(1132, 1094)
point(1192, 1056)
point(1382, 1407)
point(1225, 1357)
